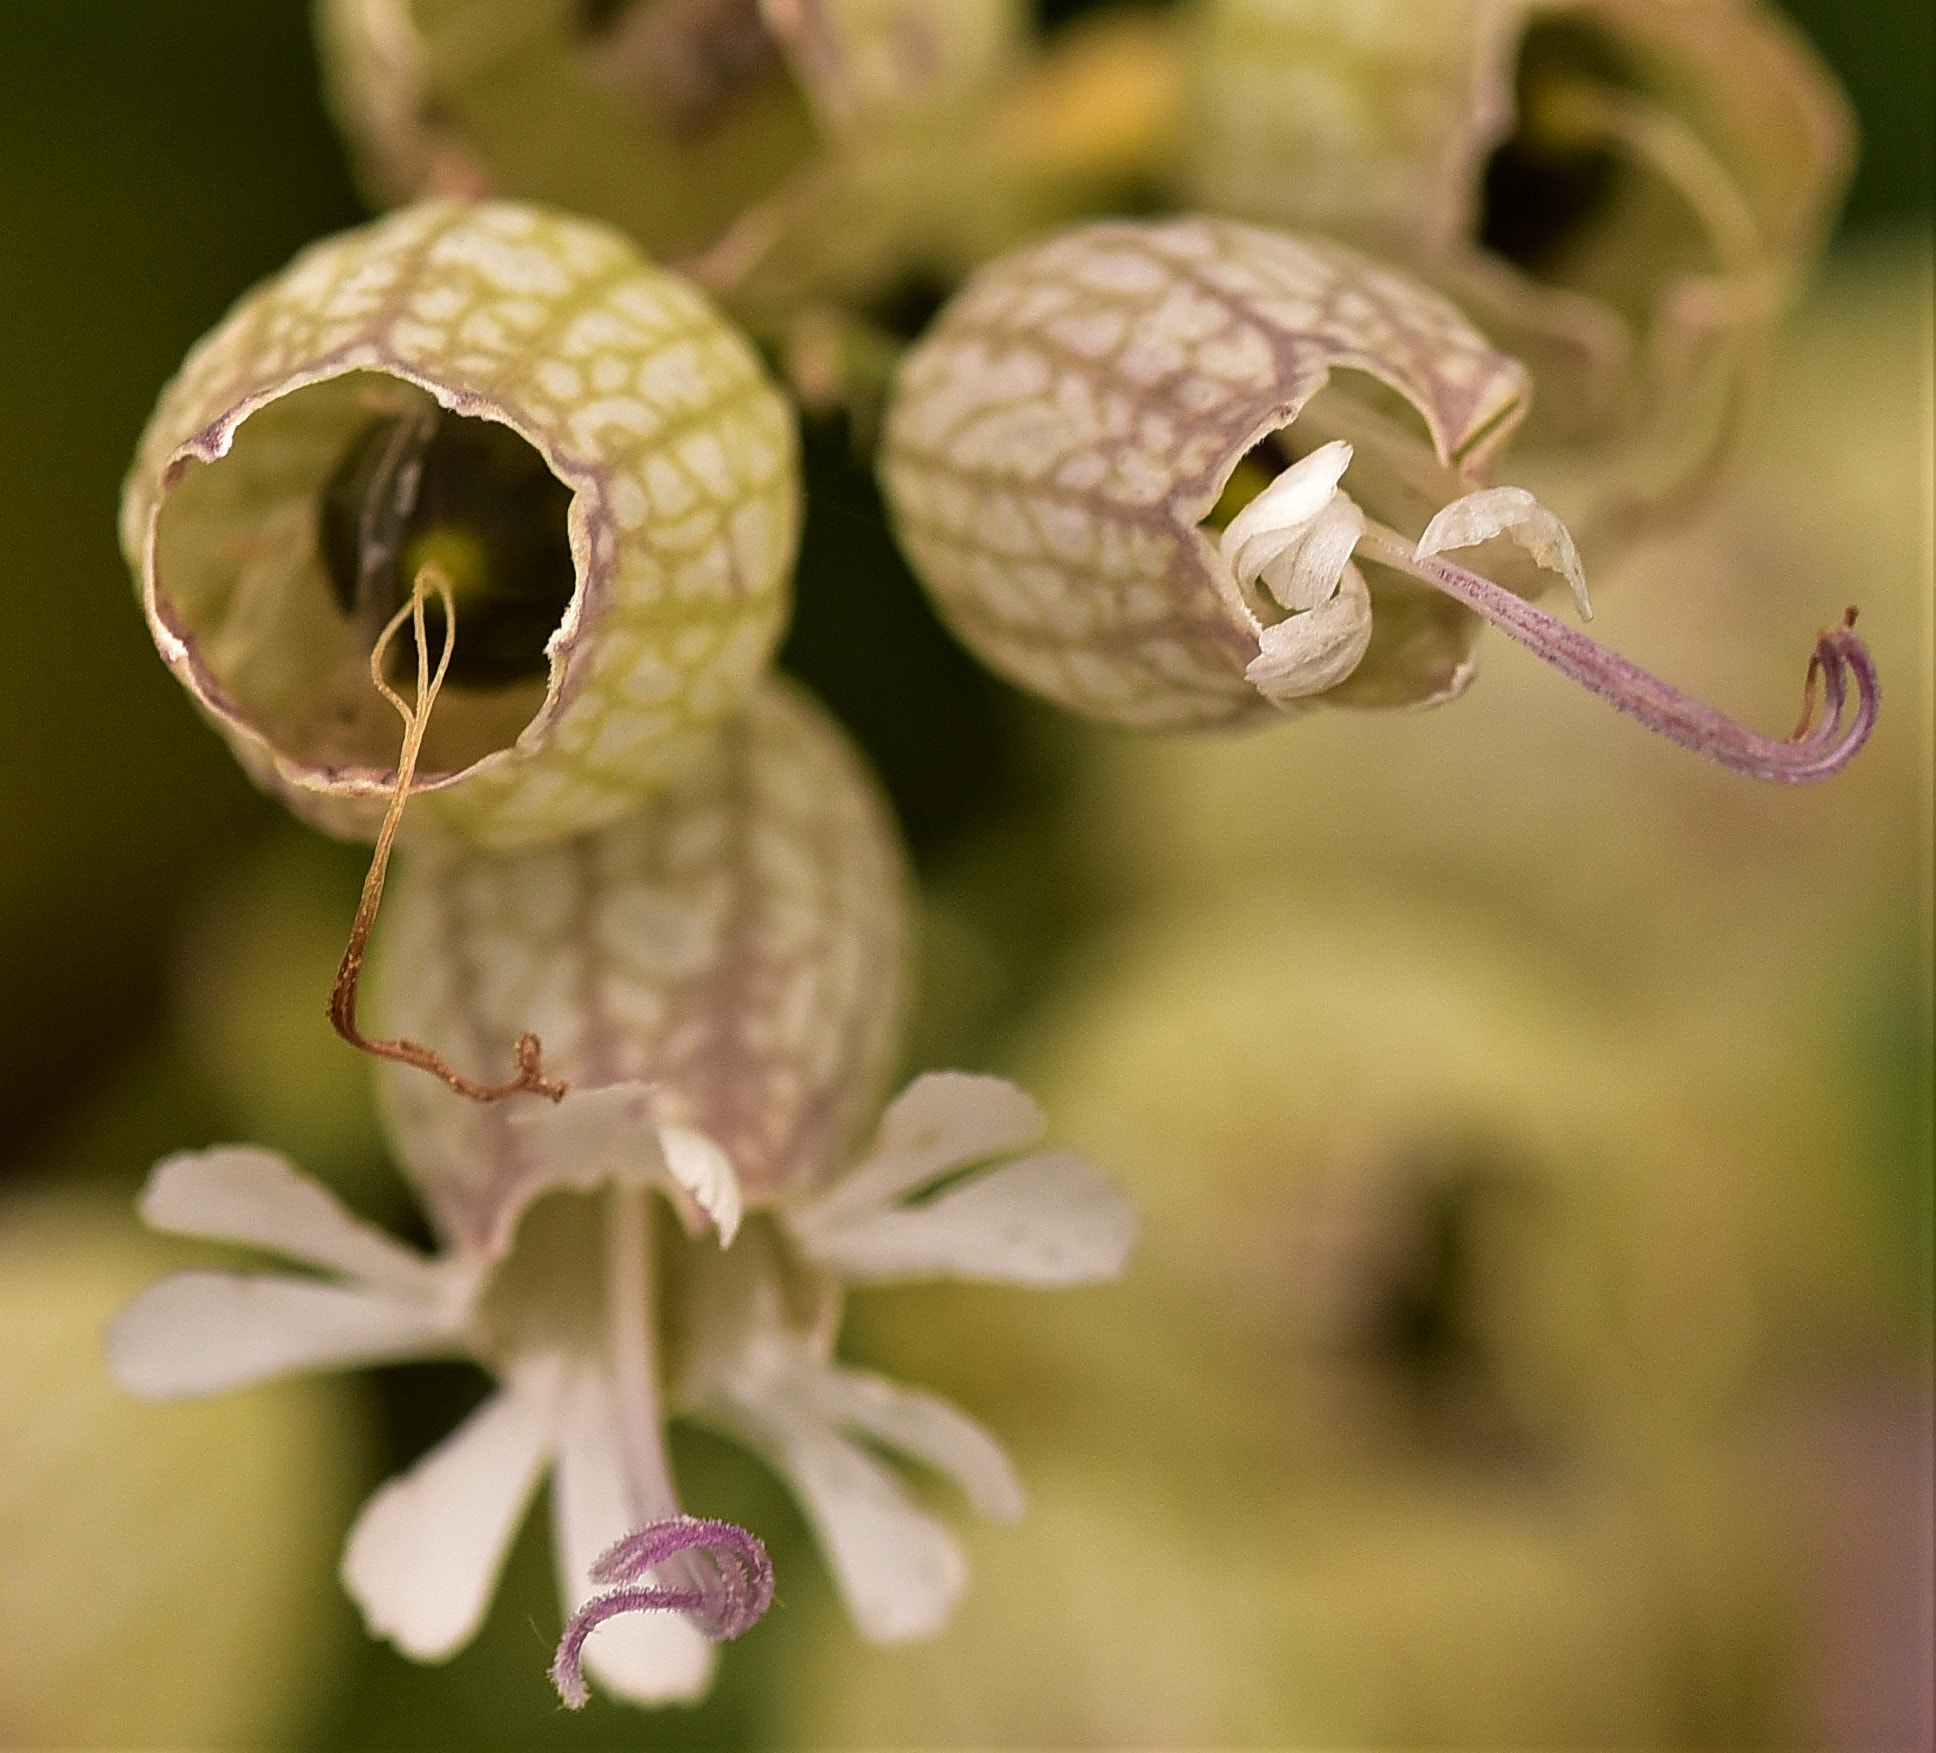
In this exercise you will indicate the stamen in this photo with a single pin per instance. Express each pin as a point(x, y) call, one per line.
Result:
point(349, 974)
point(1816, 751)
point(734, 1589)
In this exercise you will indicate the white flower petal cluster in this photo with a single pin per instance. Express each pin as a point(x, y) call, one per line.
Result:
point(582, 1394)
point(1296, 539)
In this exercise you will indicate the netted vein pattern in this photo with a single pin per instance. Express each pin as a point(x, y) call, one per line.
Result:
point(1055, 440)
point(637, 395)
point(738, 945)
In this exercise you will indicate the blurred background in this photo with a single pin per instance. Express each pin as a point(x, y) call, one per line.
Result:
point(1531, 1343)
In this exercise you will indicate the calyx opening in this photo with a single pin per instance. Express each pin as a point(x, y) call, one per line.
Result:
point(280, 562)
point(472, 499)
point(1548, 181)
point(1605, 187)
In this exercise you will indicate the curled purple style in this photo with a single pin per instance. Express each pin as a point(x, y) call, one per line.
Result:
point(1825, 741)
point(731, 1588)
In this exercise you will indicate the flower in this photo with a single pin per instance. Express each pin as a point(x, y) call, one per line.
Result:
point(574, 439)
point(1623, 195)
point(718, 977)
point(780, 151)
point(1170, 475)
point(571, 1321)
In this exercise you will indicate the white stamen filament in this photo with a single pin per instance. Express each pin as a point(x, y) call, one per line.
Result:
point(633, 1353)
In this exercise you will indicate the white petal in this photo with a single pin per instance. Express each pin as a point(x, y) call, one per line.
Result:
point(609, 1134)
point(425, 1553)
point(1047, 1220)
point(1283, 509)
point(1305, 654)
point(943, 1120)
point(206, 1332)
point(1514, 513)
point(706, 1172)
point(595, 1135)
point(1310, 570)
point(899, 1571)
point(921, 1426)
point(647, 1658)
point(239, 1194)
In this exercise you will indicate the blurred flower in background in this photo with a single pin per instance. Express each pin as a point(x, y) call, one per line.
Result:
point(164, 1575)
point(1531, 1338)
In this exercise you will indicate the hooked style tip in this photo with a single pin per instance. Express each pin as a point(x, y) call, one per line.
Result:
point(1833, 727)
point(732, 1587)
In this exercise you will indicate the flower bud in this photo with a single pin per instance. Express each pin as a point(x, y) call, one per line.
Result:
point(514, 402)
point(724, 966)
point(789, 145)
point(1620, 192)
point(1061, 446)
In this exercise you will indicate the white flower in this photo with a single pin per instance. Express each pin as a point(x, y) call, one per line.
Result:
point(1296, 539)
point(585, 1382)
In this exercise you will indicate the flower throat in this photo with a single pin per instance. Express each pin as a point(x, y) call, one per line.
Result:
point(471, 500)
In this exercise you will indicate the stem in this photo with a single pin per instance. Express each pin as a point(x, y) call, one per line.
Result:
point(1822, 744)
point(349, 973)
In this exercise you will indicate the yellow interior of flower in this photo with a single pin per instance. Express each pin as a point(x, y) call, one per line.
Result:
point(282, 561)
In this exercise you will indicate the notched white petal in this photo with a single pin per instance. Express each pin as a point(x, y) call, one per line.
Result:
point(1280, 522)
point(923, 1428)
point(705, 1171)
point(424, 1555)
point(207, 1332)
point(1310, 570)
point(899, 1571)
point(611, 1134)
point(944, 1120)
point(261, 1200)
point(1047, 1221)
point(1514, 513)
point(1304, 654)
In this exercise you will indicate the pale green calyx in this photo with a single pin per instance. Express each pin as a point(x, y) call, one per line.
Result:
point(1062, 445)
point(572, 439)
point(725, 964)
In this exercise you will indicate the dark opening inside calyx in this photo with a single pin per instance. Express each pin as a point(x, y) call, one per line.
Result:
point(474, 501)
point(1551, 179)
